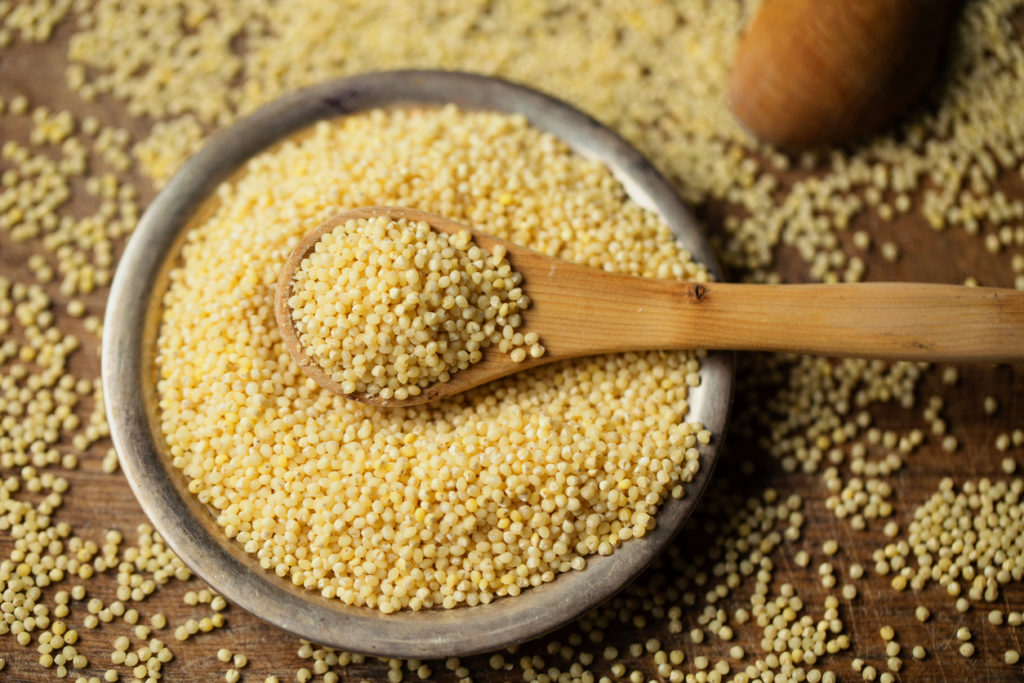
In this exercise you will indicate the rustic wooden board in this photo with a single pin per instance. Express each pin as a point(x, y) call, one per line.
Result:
point(97, 501)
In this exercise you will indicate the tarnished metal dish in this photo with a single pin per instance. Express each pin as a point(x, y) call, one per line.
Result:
point(130, 329)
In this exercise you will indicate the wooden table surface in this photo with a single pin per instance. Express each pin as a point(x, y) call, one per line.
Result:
point(98, 501)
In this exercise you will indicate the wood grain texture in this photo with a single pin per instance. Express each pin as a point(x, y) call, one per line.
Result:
point(98, 501)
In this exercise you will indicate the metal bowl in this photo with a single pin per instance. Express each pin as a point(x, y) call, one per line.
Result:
point(189, 528)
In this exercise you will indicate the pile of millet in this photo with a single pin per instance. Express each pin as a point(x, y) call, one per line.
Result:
point(496, 490)
point(388, 307)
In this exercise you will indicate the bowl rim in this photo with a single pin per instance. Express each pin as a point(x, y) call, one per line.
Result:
point(131, 322)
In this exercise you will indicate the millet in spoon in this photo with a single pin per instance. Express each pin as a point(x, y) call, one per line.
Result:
point(379, 305)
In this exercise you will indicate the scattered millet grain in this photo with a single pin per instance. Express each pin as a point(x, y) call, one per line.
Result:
point(890, 252)
point(990, 510)
point(388, 307)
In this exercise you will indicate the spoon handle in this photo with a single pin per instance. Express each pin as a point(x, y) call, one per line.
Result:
point(581, 311)
point(918, 322)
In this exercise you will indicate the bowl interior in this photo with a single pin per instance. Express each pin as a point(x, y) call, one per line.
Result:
point(190, 529)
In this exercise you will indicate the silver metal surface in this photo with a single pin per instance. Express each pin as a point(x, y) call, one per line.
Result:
point(129, 381)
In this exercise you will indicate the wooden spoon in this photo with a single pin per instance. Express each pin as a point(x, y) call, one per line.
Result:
point(582, 311)
point(817, 72)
